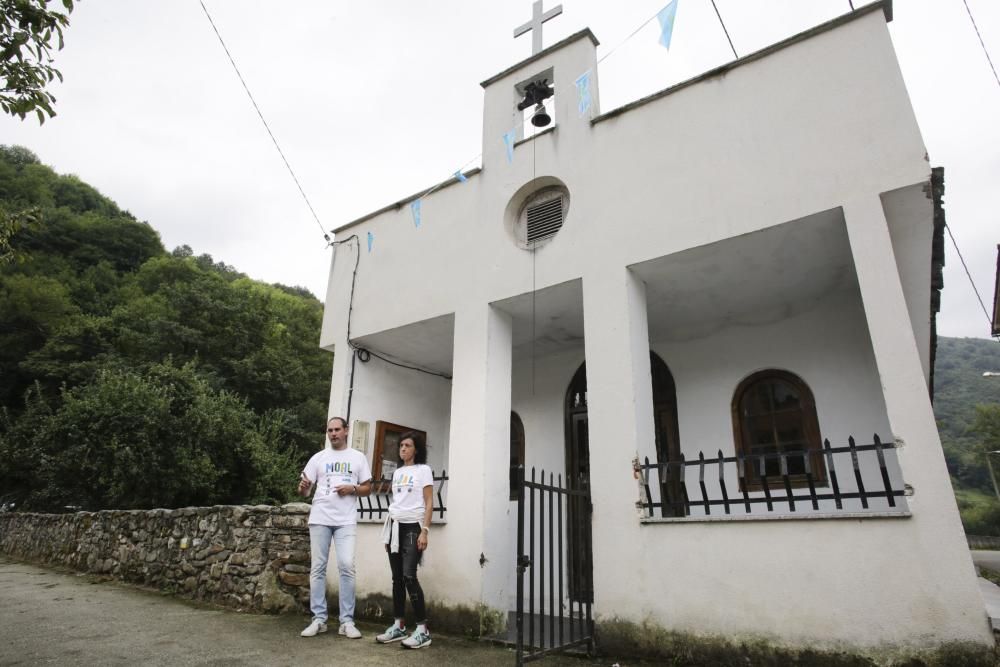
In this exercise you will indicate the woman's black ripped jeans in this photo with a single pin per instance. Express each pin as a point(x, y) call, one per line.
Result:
point(404, 573)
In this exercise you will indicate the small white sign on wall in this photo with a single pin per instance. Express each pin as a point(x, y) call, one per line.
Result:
point(359, 436)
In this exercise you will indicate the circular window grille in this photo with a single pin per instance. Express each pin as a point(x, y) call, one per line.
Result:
point(541, 217)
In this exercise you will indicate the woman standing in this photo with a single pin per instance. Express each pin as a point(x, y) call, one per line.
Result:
point(405, 537)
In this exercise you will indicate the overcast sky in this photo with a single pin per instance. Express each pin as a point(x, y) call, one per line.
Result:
point(372, 101)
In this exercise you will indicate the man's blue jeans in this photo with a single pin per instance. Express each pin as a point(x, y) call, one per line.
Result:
point(319, 543)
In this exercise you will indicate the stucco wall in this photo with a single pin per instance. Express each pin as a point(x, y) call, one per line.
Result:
point(405, 397)
point(762, 144)
point(822, 124)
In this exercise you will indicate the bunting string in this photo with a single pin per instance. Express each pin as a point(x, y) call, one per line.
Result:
point(582, 88)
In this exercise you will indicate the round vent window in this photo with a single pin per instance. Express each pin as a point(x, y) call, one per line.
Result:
point(541, 216)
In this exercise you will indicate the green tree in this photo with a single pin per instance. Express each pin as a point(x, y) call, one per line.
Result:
point(118, 358)
point(29, 31)
point(11, 224)
point(161, 438)
point(33, 308)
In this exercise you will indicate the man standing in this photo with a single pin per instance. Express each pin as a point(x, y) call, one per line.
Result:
point(340, 475)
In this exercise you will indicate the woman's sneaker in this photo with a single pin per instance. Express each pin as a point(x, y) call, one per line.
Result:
point(417, 640)
point(392, 634)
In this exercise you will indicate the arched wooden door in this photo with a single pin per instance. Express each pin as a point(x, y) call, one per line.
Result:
point(578, 529)
point(668, 443)
point(668, 448)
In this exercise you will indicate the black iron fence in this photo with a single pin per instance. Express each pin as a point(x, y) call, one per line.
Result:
point(375, 506)
point(785, 482)
point(554, 575)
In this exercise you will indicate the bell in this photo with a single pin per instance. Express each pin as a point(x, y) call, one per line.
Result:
point(540, 118)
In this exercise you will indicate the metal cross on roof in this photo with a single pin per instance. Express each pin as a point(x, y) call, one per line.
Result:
point(535, 24)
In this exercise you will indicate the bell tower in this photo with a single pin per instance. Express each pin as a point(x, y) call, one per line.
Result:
point(542, 94)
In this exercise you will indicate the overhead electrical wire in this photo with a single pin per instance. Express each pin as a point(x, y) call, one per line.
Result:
point(723, 24)
point(982, 305)
point(571, 87)
point(981, 43)
point(262, 120)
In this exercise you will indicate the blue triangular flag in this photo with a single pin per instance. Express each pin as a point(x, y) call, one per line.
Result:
point(508, 142)
point(370, 239)
point(583, 92)
point(460, 176)
point(666, 18)
point(415, 209)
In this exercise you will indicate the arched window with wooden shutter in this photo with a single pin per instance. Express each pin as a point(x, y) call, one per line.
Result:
point(774, 418)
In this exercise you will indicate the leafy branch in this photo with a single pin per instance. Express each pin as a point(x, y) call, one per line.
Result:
point(28, 29)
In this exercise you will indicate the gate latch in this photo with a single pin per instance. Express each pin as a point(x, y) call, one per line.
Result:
point(523, 562)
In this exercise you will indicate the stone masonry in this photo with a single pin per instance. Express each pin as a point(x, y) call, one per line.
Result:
point(252, 558)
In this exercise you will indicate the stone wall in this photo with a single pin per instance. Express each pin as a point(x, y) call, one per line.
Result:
point(253, 558)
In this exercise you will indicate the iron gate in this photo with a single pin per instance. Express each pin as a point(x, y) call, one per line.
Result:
point(553, 558)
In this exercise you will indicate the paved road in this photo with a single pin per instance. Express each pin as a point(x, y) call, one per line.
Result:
point(987, 589)
point(990, 559)
point(48, 617)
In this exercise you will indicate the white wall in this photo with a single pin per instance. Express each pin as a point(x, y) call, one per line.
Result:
point(804, 114)
point(539, 402)
point(816, 582)
point(828, 347)
point(910, 214)
point(406, 397)
point(802, 130)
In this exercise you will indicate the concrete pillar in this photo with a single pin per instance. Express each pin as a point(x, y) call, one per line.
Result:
point(620, 406)
point(334, 337)
point(908, 407)
point(478, 454)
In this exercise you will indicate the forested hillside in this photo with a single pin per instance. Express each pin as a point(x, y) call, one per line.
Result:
point(133, 377)
point(967, 407)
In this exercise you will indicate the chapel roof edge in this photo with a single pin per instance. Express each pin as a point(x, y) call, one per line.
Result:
point(884, 5)
point(586, 32)
point(400, 203)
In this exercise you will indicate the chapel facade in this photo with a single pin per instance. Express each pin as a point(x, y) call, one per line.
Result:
point(712, 309)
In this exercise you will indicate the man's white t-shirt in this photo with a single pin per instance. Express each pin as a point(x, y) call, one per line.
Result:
point(331, 468)
point(408, 484)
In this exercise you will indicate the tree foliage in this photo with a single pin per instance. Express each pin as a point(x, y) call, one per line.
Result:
point(133, 377)
point(967, 405)
point(29, 31)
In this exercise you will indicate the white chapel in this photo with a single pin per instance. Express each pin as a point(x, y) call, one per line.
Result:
point(709, 316)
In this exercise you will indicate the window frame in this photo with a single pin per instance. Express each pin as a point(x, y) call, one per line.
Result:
point(810, 432)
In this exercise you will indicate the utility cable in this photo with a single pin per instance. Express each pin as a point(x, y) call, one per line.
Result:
point(633, 34)
point(722, 23)
point(262, 120)
point(989, 320)
point(981, 43)
point(534, 291)
point(571, 87)
point(360, 353)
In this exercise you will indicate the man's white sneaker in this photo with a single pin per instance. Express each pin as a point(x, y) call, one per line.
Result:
point(315, 628)
point(350, 631)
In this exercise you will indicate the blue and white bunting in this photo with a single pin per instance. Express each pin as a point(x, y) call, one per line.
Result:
point(583, 93)
point(415, 210)
point(371, 238)
point(460, 176)
point(666, 18)
point(508, 142)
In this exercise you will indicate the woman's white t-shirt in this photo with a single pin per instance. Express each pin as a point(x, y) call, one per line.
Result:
point(408, 484)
